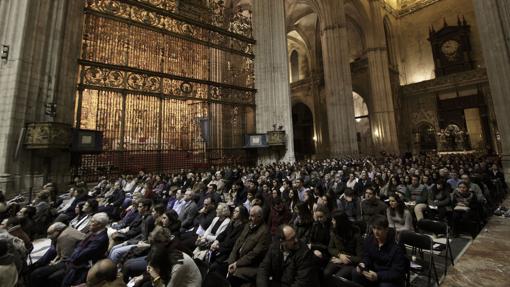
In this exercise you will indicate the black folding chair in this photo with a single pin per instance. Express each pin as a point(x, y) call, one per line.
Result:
point(213, 279)
point(438, 228)
point(342, 282)
point(421, 242)
point(203, 267)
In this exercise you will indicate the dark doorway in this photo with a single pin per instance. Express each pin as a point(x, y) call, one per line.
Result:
point(302, 120)
point(427, 136)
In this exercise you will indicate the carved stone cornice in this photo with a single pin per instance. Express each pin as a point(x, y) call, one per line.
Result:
point(462, 79)
point(388, 8)
point(407, 7)
point(307, 83)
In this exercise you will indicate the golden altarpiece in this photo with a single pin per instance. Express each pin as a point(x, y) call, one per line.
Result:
point(169, 83)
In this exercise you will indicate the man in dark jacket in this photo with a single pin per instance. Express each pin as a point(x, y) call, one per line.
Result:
point(65, 240)
point(288, 263)
point(249, 250)
point(350, 204)
point(88, 251)
point(362, 183)
point(384, 262)
point(372, 206)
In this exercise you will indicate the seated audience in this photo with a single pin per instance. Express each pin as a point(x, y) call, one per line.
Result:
point(64, 241)
point(399, 217)
point(249, 250)
point(302, 221)
point(8, 271)
point(288, 262)
point(345, 247)
point(172, 268)
point(350, 204)
point(222, 247)
point(417, 196)
point(320, 234)
point(440, 199)
point(384, 261)
point(371, 205)
point(299, 196)
point(90, 249)
point(104, 274)
point(465, 209)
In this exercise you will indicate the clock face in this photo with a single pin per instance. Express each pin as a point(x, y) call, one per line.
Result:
point(450, 49)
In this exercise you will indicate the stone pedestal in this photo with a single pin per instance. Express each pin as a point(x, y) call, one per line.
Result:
point(272, 75)
point(493, 17)
point(337, 78)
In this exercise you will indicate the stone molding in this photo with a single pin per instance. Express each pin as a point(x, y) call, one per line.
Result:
point(408, 7)
point(472, 77)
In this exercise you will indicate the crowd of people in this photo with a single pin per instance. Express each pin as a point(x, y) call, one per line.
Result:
point(307, 223)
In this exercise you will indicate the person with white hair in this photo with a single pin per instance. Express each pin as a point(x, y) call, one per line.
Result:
point(217, 226)
point(91, 249)
point(249, 250)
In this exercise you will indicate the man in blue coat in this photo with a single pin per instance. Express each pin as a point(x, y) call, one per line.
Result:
point(384, 261)
point(87, 252)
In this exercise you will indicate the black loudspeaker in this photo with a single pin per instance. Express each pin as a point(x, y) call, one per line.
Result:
point(87, 141)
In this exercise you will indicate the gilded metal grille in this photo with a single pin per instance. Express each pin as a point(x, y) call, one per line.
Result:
point(151, 71)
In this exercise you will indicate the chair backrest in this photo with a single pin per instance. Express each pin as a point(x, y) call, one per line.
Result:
point(414, 239)
point(342, 282)
point(436, 227)
point(214, 279)
point(202, 266)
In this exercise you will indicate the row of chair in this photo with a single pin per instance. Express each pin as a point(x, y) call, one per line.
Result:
point(424, 242)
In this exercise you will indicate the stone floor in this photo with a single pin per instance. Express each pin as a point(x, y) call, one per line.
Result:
point(487, 261)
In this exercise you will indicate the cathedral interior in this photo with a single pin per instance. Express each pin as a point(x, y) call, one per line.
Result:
point(154, 88)
point(107, 86)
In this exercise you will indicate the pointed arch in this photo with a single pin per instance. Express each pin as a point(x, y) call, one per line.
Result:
point(390, 46)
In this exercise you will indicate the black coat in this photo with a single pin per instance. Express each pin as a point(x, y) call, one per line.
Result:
point(388, 261)
point(298, 270)
point(227, 239)
point(319, 236)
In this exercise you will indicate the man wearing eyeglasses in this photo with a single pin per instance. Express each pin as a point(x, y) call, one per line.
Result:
point(288, 262)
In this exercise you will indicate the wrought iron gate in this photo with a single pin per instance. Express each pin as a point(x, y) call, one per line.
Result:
point(169, 83)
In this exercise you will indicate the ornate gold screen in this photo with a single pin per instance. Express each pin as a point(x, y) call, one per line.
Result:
point(155, 75)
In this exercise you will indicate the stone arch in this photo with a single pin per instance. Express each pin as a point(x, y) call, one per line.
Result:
point(356, 39)
point(362, 119)
point(390, 46)
point(425, 136)
point(303, 126)
point(294, 66)
point(297, 48)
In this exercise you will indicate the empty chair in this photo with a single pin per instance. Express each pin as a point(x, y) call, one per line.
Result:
point(438, 228)
point(421, 242)
point(342, 282)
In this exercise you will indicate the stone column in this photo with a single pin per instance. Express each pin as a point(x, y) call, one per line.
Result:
point(337, 78)
point(320, 120)
point(493, 18)
point(44, 39)
point(382, 114)
point(272, 74)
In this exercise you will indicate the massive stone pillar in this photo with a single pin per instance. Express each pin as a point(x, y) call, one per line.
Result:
point(493, 17)
point(44, 39)
point(337, 78)
point(382, 113)
point(272, 74)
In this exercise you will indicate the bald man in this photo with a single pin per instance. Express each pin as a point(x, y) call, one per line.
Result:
point(289, 262)
point(104, 274)
point(249, 250)
point(65, 239)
